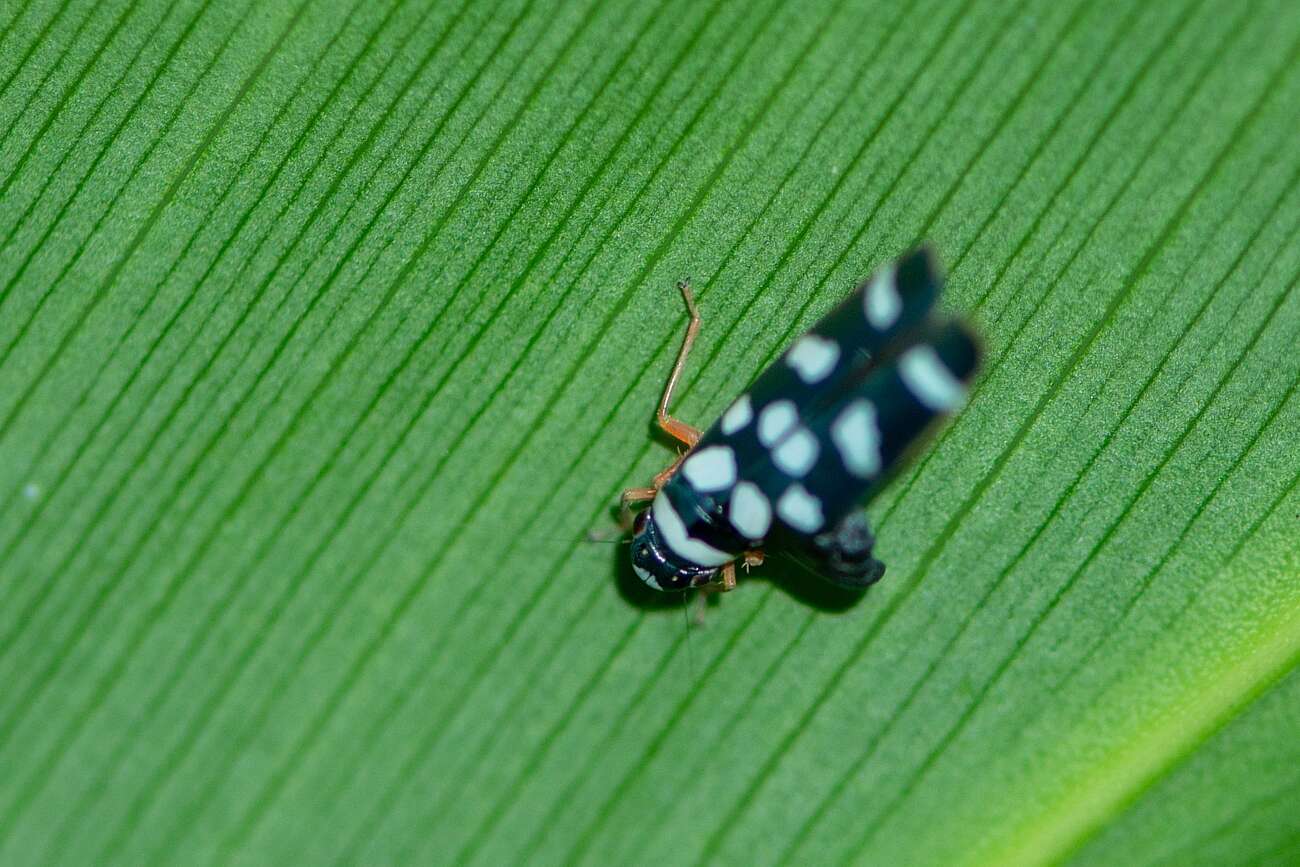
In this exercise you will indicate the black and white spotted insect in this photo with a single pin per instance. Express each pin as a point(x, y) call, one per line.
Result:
point(795, 458)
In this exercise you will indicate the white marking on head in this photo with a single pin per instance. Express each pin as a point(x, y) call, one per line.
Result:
point(813, 357)
point(881, 301)
point(646, 577)
point(673, 529)
point(930, 380)
point(856, 433)
point(800, 509)
point(750, 512)
point(738, 415)
point(797, 453)
point(776, 419)
point(711, 469)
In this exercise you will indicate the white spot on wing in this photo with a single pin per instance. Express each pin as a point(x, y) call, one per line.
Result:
point(750, 512)
point(856, 433)
point(813, 357)
point(711, 469)
point(674, 532)
point(881, 301)
point(800, 509)
point(776, 419)
point(930, 380)
point(797, 453)
point(738, 415)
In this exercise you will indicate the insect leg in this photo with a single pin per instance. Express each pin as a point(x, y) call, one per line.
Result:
point(641, 495)
point(708, 591)
point(661, 478)
point(630, 496)
point(729, 577)
point(674, 427)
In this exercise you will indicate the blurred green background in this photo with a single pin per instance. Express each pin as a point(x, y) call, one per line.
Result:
point(329, 329)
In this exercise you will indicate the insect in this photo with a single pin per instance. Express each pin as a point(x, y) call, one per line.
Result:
point(793, 460)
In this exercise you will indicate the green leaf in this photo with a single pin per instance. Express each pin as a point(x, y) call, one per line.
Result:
point(328, 331)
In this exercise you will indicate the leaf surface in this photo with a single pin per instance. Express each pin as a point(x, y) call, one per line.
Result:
point(328, 331)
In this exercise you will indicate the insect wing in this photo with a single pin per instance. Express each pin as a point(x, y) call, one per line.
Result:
point(893, 301)
point(884, 307)
point(864, 433)
point(819, 428)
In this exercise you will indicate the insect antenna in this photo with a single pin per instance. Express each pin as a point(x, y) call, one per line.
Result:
point(608, 536)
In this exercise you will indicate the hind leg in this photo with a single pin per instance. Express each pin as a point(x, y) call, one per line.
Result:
point(674, 427)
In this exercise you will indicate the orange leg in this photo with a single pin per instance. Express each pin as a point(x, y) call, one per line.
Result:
point(748, 560)
point(661, 478)
point(641, 495)
point(630, 496)
point(674, 427)
point(725, 582)
point(727, 575)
